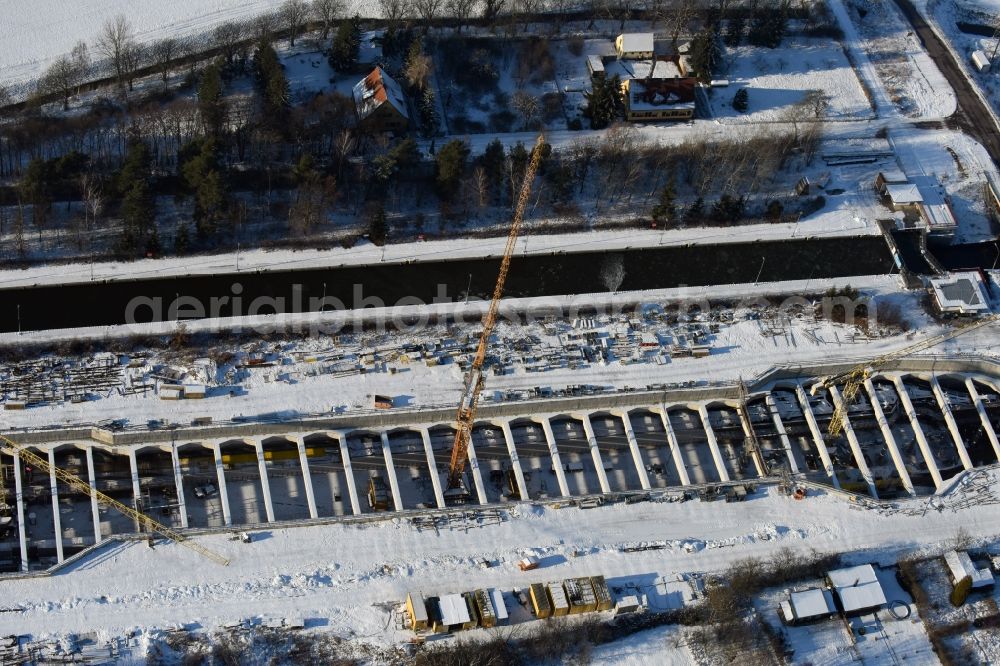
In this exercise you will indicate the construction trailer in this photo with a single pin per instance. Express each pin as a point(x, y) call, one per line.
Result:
point(580, 594)
point(448, 613)
point(557, 597)
point(378, 494)
point(416, 611)
point(540, 603)
point(482, 601)
point(602, 594)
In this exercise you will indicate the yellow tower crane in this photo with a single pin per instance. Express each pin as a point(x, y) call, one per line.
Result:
point(474, 378)
point(12, 449)
point(854, 378)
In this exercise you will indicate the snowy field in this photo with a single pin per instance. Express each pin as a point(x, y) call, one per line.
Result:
point(778, 79)
point(914, 83)
point(35, 32)
point(348, 579)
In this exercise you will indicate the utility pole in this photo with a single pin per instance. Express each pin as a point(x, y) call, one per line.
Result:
point(19, 319)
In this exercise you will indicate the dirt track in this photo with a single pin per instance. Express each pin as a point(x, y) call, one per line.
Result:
point(972, 116)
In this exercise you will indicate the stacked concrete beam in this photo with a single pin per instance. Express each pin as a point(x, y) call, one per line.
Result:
point(265, 484)
point(675, 447)
point(852, 440)
point(227, 516)
point(713, 444)
point(779, 427)
point(397, 499)
point(300, 445)
point(550, 438)
point(179, 483)
point(817, 435)
point(890, 439)
point(515, 461)
point(345, 458)
point(984, 417)
point(425, 435)
point(22, 534)
point(595, 453)
point(56, 520)
point(918, 431)
point(949, 420)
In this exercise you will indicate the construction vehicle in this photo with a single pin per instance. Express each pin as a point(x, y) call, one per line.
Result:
point(378, 494)
point(76, 483)
point(854, 378)
point(474, 377)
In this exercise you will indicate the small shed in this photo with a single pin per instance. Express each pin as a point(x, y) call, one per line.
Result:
point(595, 64)
point(452, 614)
point(194, 391)
point(980, 61)
point(171, 392)
point(628, 604)
point(808, 606)
point(416, 611)
point(961, 565)
point(857, 588)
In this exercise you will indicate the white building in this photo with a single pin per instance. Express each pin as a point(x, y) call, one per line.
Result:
point(960, 294)
point(634, 45)
point(857, 588)
point(808, 606)
point(980, 61)
point(960, 565)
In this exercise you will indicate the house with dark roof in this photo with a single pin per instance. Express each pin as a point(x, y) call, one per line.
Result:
point(380, 103)
point(659, 99)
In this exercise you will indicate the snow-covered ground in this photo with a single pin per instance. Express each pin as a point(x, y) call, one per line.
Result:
point(36, 32)
point(347, 579)
point(913, 81)
point(320, 374)
point(778, 79)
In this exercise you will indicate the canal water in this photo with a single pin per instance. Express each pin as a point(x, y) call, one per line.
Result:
point(353, 287)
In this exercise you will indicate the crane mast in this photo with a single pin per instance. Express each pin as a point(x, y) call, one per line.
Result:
point(474, 378)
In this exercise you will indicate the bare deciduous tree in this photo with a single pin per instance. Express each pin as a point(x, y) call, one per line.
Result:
point(163, 53)
point(492, 8)
point(481, 183)
point(132, 59)
point(461, 10)
point(394, 11)
point(328, 11)
point(294, 14)
point(228, 37)
point(114, 43)
point(428, 10)
point(262, 26)
point(61, 78)
point(525, 104)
